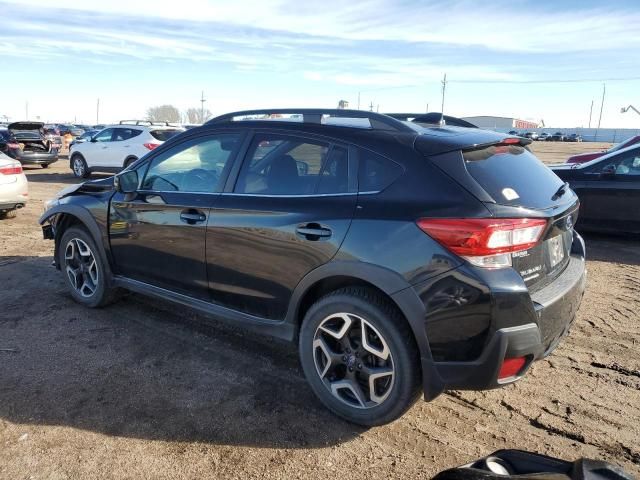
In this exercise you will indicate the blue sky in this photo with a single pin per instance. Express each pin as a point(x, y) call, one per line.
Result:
point(533, 59)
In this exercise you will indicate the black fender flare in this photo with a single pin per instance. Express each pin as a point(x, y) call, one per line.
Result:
point(89, 222)
point(392, 284)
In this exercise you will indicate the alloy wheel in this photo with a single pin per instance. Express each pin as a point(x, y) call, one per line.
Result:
point(81, 267)
point(353, 360)
point(78, 167)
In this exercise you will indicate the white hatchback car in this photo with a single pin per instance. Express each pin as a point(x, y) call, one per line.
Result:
point(117, 146)
point(14, 189)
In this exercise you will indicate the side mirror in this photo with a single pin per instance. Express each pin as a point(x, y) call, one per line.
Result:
point(608, 171)
point(126, 182)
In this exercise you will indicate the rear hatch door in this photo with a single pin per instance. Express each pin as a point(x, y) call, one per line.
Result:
point(514, 183)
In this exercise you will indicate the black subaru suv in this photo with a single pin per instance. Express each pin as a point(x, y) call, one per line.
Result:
point(402, 257)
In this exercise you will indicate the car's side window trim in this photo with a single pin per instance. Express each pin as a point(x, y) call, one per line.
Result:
point(243, 157)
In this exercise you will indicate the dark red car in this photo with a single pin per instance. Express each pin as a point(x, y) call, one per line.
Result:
point(587, 157)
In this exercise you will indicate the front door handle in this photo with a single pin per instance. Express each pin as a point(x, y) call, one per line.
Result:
point(313, 231)
point(192, 216)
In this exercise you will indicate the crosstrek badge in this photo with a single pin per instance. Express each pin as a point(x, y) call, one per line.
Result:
point(510, 193)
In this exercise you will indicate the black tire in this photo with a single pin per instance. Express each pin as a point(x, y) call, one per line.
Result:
point(9, 214)
point(101, 295)
point(380, 313)
point(129, 161)
point(45, 165)
point(79, 166)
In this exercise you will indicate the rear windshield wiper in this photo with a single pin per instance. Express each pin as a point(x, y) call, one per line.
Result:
point(560, 191)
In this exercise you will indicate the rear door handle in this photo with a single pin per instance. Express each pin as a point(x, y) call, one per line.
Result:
point(313, 231)
point(192, 216)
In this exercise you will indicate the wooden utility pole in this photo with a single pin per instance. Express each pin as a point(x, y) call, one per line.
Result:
point(202, 100)
point(444, 88)
point(590, 113)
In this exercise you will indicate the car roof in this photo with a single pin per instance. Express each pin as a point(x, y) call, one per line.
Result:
point(609, 155)
point(364, 128)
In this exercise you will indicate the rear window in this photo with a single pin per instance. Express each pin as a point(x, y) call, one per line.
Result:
point(376, 172)
point(512, 175)
point(164, 135)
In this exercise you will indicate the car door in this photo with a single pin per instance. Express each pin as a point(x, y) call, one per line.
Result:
point(95, 151)
point(158, 234)
point(285, 213)
point(120, 147)
point(610, 193)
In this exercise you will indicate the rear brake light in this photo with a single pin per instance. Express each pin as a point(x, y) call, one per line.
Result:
point(13, 145)
point(485, 242)
point(11, 169)
point(151, 146)
point(511, 367)
point(510, 141)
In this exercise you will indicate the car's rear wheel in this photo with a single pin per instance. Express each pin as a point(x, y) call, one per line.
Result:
point(129, 161)
point(79, 167)
point(83, 269)
point(359, 356)
point(45, 165)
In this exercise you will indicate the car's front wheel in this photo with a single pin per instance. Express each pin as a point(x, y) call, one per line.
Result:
point(359, 356)
point(83, 268)
point(79, 167)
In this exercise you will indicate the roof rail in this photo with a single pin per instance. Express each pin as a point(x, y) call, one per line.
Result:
point(148, 123)
point(377, 121)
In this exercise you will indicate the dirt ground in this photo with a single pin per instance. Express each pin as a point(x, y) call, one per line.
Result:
point(143, 389)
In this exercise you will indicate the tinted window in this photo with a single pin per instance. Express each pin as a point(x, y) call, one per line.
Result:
point(164, 135)
point(512, 175)
point(627, 164)
point(4, 135)
point(376, 172)
point(282, 165)
point(193, 166)
point(104, 135)
point(125, 134)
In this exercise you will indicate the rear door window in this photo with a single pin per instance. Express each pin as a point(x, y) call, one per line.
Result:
point(512, 175)
point(375, 172)
point(289, 165)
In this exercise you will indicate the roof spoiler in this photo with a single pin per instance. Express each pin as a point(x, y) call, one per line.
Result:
point(432, 118)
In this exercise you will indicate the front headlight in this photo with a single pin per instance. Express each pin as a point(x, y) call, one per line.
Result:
point(52, 202)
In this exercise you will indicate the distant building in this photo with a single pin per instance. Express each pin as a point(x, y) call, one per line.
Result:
point(501, 123)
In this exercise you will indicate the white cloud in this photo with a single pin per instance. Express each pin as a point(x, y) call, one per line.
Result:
point(500, 25)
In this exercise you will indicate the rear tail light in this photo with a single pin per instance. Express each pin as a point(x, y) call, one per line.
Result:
point(511, 367)
point(485, 242)
point(13, 169)
point(151, 146)
point(13, 145)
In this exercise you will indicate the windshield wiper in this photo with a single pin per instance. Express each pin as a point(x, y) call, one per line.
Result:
point(560, 191)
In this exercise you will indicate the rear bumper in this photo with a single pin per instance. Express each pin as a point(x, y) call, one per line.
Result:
point(536, 324)
point(36, 158)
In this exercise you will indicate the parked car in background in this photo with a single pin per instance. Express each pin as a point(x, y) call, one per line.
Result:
point(514, 132)
point(574, 137)
point(85, 137)
point(98, 127)
point(117, 146)
point(401, 258)
point(71, 129)
point(586, 157)
point(14, 189)
point(557, 137)
point(609, 190)
point(27, 143)
point(544, 137)
point(531, 135)
point(52, 133)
